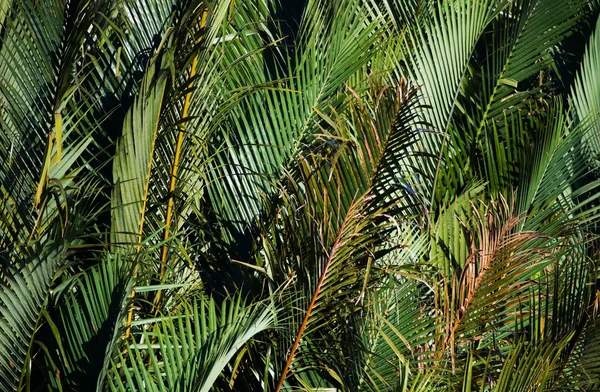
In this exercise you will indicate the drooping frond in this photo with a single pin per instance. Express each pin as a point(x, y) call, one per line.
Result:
point(46, 114)
point(436, 60)
point(23, 299)
point(135, 151)
point(269, 128)
point(90, 324)
point(338, 202)
point(189, 348)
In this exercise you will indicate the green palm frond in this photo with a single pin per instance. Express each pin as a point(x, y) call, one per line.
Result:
point(5, 6)
point(29, 275)
point(336, 39)
point(91, 319)
point(529, 366)
point(583, 367)
point(509, 60)
point(585, 94)
point(450, 242)
point(350, 195)
point(45, 122)
point(344, 202)
point(134, 157)
point(508, 72)
point(394, 340)
point(438, 62)
point(23, 298)
point(555, 168)
point(189, 348)
point(146, 153)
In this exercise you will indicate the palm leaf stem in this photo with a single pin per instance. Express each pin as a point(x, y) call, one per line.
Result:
point(143, 214)
point(174, 170)
point(313, 300)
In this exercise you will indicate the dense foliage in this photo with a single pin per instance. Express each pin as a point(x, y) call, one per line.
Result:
point(255, 195)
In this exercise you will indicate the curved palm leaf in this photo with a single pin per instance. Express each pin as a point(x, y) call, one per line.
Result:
point(90, 321)
point(585, 94)
point(344, 201)
point(189, 349)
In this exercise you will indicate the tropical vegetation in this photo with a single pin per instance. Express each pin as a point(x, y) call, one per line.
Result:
point(316, 195)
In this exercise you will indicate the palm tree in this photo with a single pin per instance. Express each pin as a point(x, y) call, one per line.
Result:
point(368, 195)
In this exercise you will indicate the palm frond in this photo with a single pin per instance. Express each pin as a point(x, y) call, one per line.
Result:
point(132, 166)
point(269, 128)
point(23, 298)
point(189, 348)
point(91, 320)
point(583, 367)
point(585, 94)
point(45, 123)
point(438, 62)
point(344, 199)
point(394, 341)
point(28, 278)
point(507, 73)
